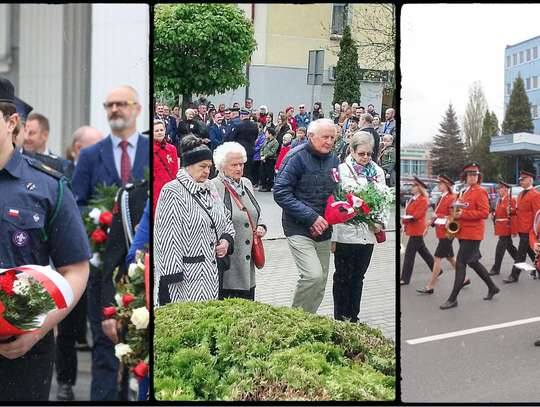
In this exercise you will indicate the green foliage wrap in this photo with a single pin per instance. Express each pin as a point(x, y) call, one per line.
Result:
point(347, 87)
point(201, 48)
point(243, 350)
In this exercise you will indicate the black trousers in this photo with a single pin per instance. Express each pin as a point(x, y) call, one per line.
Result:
point(244, 294)
point(351, 262)
point(267, 173)
point(256, 172)
point(504, 244)
point(70, 332)
point(29, 377)
point(522, 251)
point(415, 245)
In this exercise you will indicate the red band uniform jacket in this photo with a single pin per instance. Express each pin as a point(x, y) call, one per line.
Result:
point(472, 221)
point(417, 208)
point(527, 206)
point(501, 217)
point(444, 210)
point(533, 238)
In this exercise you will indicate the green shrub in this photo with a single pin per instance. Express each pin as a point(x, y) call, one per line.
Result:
point(243, 350)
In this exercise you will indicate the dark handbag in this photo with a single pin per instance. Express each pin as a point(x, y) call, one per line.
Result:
point(380, 236)
point(258, 249)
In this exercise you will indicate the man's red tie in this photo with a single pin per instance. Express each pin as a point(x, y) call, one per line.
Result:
point(125, 164)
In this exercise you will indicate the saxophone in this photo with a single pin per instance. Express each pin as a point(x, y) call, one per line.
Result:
point(452, 227)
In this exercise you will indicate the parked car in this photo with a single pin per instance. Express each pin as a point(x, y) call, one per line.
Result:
point(405, 192)
point(434, 195)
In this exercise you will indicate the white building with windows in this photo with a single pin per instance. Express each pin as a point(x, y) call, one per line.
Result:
point(63, 59)
point(524, 59)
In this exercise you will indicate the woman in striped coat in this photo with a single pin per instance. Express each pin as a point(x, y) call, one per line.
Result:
point(192, 230)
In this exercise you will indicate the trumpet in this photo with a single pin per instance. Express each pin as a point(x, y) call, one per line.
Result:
point(452, 227)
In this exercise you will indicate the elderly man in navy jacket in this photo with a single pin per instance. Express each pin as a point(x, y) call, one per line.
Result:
point(303, 184)
point(116, 160)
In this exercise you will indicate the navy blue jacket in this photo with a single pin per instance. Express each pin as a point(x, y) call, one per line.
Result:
point(303, 184)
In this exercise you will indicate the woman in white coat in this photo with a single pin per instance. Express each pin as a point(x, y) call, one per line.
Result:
point(192, 230)
point(353, 245)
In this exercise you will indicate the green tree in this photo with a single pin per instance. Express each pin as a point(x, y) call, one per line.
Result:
point(448, 152)
point(201, 48)
point(474, 114)
point(518, 118)
point(493, 165)
point(347, 87)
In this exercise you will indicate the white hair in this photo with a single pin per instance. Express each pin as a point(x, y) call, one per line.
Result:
point(315, 125)
point(222, 151)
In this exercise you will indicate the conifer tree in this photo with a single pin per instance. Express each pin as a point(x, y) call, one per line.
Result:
point(494, 166)
point(448, 152)
point(347, 86)
point(518, 117)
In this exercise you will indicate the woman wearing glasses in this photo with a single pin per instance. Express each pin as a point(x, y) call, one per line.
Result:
point(471, 219)
point(353, 245)
point(415, 225)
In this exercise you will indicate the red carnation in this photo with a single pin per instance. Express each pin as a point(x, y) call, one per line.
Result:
point(140, 370)
point(127, 299)
point(109, 312)
point(365, 208)
point(6, 282)
point(99, 236)
point(106, 218)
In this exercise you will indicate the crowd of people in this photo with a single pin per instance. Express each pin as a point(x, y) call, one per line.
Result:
point(463, 216)
point(249, 126)
point(207, 215)
point(49, 195)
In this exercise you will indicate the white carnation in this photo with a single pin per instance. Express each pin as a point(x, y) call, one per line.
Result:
point(118, 298)
point(95, 214)
point(140, 318)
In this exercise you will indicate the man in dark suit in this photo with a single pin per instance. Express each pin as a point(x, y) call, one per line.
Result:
point(366, 124)
point(120, 158)
point(83, 137)
point(246, 133)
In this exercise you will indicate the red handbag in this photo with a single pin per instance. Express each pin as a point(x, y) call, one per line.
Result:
point(380, 236)
point(258, 249)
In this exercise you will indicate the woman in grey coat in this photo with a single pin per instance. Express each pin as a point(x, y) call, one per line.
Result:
point(239, 280)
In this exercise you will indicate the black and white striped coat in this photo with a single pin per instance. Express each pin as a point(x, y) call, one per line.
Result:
point(185, 241)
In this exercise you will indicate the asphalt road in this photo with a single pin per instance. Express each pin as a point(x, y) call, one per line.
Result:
point(486, 351)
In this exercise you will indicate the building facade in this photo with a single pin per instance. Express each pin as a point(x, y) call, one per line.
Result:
point(285, 33)
point(63, 59)
point(415, 162)
point(524, 59)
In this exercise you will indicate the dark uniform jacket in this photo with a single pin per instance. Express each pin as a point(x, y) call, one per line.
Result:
point(128, 210)
point(246, 133)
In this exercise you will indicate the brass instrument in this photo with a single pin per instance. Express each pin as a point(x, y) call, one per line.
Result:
point(509, 207)
point(452, 227)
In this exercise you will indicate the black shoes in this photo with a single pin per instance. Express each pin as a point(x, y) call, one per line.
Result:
point(263, 190)
point(533, 274)
point(494, 272)
point(537, 343)
point(449, 304)
point(65, 392)
point(510, 279)
point(466, 282)
point(490, 295)
point(424, 290)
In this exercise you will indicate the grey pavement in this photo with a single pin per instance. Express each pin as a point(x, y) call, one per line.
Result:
point(480, 351)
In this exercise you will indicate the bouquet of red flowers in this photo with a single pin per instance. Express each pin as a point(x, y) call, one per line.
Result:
point(27, 294)
point(97, 223)
point(132, 313)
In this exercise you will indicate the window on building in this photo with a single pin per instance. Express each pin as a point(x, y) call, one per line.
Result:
point(535, 53)
point(508, 61)
point(508, 88)
point(514, 59)
point(535, 82)
point(340, 17)
point(528, 84)
point(535, 112)
point(528, 55)
point(521, 57)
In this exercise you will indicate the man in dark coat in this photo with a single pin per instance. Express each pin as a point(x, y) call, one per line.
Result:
point(246, 133)
point(366, 125)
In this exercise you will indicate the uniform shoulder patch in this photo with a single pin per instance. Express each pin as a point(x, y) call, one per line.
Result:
point(46, 169)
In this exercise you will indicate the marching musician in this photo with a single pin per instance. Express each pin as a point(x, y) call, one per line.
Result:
point(535, 245)
point(504, 217)
point(471, 214)
point(439, 218)
point(415, 224)
point(528, 203)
